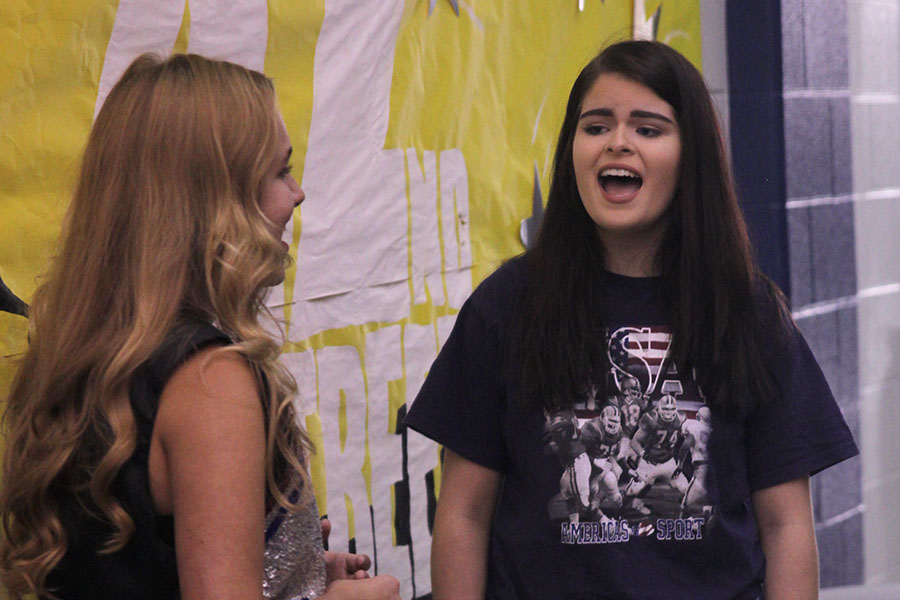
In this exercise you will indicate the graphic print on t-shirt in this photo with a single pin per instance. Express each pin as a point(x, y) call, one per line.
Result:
point(634, 463)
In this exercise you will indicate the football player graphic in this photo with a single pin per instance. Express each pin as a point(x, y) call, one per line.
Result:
point(696, 439)
point(632, 404)
point(602, 437)
point(651, 452)
point(562, 439)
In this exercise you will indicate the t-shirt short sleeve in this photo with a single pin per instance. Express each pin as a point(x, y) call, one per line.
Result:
point(801, 431)
point(462, 402)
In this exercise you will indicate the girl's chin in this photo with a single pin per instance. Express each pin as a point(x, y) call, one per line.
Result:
point(274, 278)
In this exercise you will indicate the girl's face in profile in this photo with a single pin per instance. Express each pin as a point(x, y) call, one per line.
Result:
point(280, 191)
point(626, 153)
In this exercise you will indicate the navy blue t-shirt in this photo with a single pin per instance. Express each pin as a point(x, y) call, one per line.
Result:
point(640, 494)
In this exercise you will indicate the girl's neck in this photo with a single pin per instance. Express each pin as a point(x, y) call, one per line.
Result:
point(630, 256)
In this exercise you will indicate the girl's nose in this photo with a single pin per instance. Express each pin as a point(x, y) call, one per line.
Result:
point(618, 142)
point(299, 195)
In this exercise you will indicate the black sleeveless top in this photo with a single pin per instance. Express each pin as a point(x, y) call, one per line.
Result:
point(145, 568)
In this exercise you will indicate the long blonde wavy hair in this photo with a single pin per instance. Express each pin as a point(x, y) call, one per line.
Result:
point(165, 220)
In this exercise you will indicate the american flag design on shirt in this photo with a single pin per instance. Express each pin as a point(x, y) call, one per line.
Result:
point(639, 352)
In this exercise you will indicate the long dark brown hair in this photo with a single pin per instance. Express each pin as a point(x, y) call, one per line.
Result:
point(711, 284)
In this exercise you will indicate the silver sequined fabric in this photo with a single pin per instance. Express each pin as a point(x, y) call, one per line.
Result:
point(294, 567)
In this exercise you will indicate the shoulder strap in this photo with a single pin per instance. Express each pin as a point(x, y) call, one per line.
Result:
point(184, 340)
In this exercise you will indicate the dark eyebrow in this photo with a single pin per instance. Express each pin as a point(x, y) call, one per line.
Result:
point(287, 156)
point(600, 112)
point(646, 114)
point(638, 114)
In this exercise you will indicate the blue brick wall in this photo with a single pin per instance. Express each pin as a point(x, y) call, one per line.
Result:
point(821, 257)
point(791, 144)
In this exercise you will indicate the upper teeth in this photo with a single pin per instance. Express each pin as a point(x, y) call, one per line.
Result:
point(617, 173)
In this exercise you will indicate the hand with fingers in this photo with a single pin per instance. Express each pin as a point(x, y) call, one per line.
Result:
point(347, 578)
point(379, 587)
point(343, 565)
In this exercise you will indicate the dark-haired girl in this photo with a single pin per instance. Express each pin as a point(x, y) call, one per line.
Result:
point(627, 410)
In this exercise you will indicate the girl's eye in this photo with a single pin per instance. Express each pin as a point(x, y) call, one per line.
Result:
point(595, 129)
point(650, 132)
point(285, 172)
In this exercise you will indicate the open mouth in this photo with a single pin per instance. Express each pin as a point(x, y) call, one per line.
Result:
point(620, 182)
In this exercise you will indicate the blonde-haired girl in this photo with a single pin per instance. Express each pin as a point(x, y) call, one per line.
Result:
point(152, 447)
